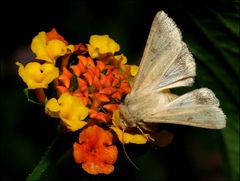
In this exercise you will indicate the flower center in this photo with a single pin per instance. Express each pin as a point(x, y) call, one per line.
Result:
point(92, 149)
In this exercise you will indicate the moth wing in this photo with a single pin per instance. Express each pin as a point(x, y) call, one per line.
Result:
point(166, 61)
point(199, 108)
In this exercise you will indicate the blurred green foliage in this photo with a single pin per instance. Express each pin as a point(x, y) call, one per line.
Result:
point(211, 31)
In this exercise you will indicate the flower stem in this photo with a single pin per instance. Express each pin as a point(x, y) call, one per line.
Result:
point(41, 96)
point(43, 165)
point(56, 150)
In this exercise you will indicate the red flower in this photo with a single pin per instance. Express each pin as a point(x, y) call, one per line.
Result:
point(95, 150)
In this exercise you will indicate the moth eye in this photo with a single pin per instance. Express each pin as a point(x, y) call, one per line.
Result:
point(122, 123)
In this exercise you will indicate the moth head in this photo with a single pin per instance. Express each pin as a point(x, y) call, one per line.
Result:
point(126, 120)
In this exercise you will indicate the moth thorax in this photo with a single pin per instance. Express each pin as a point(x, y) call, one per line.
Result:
point(126, 118)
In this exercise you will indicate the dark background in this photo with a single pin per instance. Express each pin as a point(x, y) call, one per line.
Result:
point(211, 31)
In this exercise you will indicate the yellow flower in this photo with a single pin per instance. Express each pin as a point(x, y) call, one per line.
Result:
point(101, 44)
point(49, 50)
point(134, 70)
point(121, 58)
point(70, 109)
point(126, 137)
point(37, 75)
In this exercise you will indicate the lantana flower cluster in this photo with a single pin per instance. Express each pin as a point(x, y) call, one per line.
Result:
point(83, 85)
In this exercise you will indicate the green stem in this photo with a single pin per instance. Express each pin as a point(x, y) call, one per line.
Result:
point(56, 150)
point(48, 159)
point(43, 165)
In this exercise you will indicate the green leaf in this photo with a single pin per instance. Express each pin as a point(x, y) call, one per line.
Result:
point(223, 42)
point(218, 68)
point(230, 19)
point(43, 165)
point(61, 143)
point(151, 165)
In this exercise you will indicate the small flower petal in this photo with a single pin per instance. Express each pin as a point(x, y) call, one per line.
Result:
point(121, 58)
point(53, 35)
point(134, 70)
point(39, 47)
point(65, 77)
point(56, 48)
point(72, 111)
point(52, 108)
point(124, 137)
point(101, 44)
point(97, 168)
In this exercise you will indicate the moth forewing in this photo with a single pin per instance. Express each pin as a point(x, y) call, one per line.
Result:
point(164, 52)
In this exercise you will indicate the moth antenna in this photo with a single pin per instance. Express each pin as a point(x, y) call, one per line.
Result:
point(125, 152)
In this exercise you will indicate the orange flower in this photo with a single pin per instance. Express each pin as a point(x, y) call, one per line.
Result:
point(99, 116)
point(65, 78)
point(95, 151)
point(98, 84)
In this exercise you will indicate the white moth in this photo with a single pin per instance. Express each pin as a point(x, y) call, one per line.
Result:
point(167, 63)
